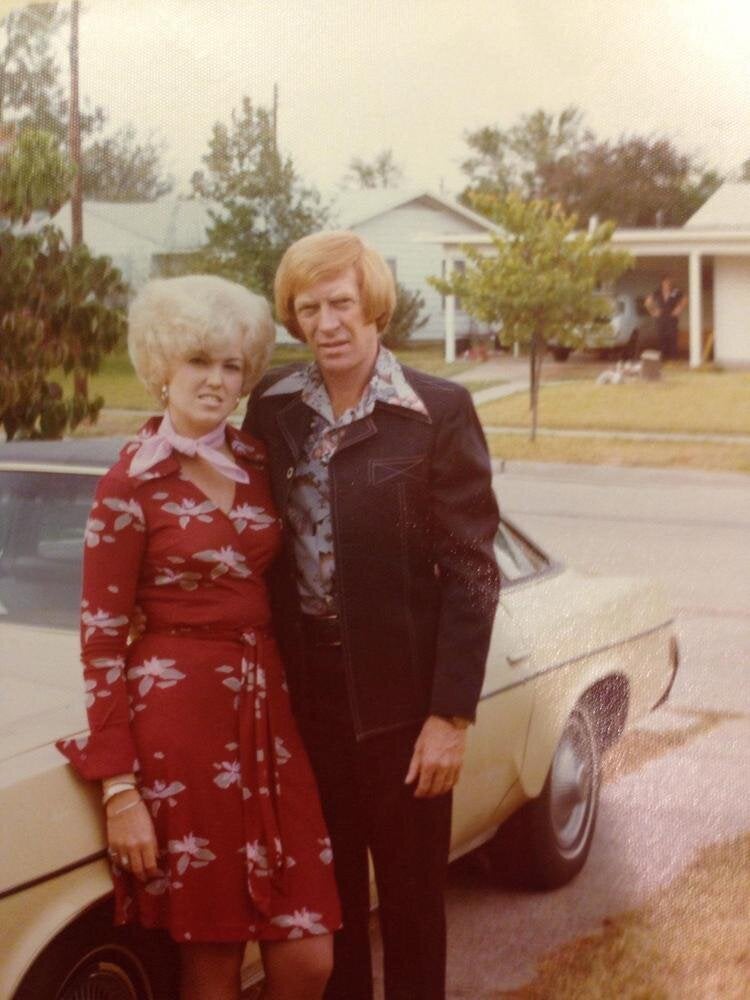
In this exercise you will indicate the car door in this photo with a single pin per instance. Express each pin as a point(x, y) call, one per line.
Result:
point(496, 744)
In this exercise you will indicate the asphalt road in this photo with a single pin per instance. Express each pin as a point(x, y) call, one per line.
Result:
point(692, 531)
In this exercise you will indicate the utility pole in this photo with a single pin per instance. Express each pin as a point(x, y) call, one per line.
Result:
point(275, 118)
point(74, 131)
point(80, 378)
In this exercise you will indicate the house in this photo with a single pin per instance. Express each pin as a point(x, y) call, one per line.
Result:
point(141, 238)
point(400, 225)
point(709, 258)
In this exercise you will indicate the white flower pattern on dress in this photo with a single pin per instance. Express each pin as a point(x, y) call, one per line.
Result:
point(104, 621)
point(326, 853)
point(187, 509)
point(155, 671)
point(256, 517)
point(93, 533)
point(114, 665)
point(301, 922)
point(229, 773)
point(226, 560)
point(159, 792)
point(192, 851)
point(166, 576)
point(130, 512)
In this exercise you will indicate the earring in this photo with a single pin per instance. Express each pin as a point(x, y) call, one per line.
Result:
point(164, 394)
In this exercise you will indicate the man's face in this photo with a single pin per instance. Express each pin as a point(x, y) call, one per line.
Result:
point(329, 315)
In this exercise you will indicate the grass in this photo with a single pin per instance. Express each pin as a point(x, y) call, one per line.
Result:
point(121, 389)
point(614, 451)
point(697, 402)
point(692, 939)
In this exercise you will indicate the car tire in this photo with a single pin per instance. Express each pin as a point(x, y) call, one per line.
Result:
point(561, 353)
point(546, 843)
point(92, 960)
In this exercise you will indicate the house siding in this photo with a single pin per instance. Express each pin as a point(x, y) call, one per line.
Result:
point(395, 235)
point(732, 309)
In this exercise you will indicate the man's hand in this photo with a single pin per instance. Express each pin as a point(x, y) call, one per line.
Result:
point(437, 758)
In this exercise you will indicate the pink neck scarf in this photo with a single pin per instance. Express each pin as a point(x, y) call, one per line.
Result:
point(166, 440)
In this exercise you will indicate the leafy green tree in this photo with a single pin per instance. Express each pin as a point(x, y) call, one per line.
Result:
point(540, 282)
point(262, 204)
point(33, 176)
point(382, 172)
point(58, 306)
point(636, 180)
point(406, 319)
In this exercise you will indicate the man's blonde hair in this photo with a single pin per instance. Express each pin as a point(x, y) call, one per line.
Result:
point(322, 256)
point(171, 318)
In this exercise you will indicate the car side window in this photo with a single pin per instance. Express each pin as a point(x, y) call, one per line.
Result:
point(42, 523)
point(517, 558)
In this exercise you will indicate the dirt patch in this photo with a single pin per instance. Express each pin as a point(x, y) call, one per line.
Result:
point(639, 746)
point(692, 939)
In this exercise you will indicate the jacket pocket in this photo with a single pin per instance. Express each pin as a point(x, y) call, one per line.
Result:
point(381, 470)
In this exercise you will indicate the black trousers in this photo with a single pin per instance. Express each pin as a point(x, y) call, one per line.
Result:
point(367, 805)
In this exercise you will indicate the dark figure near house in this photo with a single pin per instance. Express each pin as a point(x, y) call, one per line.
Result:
point(385, 597)
point(665, 304)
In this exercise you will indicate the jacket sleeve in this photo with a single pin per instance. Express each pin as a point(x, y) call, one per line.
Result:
point(465, 519)
point(113, 551)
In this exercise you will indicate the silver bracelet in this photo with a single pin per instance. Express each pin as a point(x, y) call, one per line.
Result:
point(115, 788)
point(122, 809)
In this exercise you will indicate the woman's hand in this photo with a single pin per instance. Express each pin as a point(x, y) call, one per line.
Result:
point(130, 832)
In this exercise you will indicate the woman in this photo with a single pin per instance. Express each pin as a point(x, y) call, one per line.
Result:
point(212, 815)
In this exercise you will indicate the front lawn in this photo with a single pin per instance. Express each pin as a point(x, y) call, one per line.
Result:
point(683, 401)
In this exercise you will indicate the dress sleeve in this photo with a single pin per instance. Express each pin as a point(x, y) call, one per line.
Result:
point(113, 550)
point(465, 518)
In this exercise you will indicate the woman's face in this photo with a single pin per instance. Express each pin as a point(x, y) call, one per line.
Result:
point(205, 386)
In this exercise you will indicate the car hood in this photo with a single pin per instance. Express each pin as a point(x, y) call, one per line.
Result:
point(42, 691)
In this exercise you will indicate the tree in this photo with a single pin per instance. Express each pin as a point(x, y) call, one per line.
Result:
point(34, 176)
point(382, 172)
point(635, 181)
point(406, 319)
point(114, 168)
point(263, 206)
point(58, 306)
point(540, 283)
point(120, 168)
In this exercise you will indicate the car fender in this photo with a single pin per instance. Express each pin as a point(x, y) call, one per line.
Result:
point(33, 916)
point(558, 691)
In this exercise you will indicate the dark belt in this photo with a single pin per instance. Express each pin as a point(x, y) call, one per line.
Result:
point(322, 630)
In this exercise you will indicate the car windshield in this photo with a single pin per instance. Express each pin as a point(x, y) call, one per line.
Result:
point(516, 557)
point(42, 522)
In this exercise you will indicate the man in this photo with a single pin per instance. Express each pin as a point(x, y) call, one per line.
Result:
point(665, 304)
point(385, 601)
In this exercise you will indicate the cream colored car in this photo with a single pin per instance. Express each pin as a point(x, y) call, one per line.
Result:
point(574, 661)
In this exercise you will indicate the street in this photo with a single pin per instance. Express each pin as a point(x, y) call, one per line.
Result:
point(692, 531)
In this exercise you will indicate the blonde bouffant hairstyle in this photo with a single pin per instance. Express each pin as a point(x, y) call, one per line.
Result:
point(172, 318)
point(325, 255)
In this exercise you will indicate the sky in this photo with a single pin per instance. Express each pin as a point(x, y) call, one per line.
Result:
point(359, 76)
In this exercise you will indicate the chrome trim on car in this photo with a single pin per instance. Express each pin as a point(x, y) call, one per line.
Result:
point(76, 470)
point(576, 659)
point(81, 863)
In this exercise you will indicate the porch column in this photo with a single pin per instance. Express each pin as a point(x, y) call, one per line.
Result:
point(696, 310)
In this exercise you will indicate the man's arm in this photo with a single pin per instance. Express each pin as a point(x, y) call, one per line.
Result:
point(464, 523)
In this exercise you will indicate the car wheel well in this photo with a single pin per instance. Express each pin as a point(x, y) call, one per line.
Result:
point(608, 701)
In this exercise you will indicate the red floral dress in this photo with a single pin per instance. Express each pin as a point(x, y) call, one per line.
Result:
point(198, 707)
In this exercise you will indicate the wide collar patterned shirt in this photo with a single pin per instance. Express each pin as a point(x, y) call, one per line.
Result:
point(309, 505)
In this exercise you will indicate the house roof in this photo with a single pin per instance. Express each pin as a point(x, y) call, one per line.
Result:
point(353, 208)
point(727, 208)
point(168, 225)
